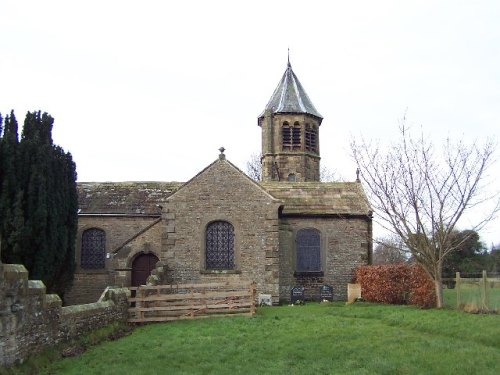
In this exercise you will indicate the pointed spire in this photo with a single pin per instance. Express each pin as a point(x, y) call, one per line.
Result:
point(289, 96)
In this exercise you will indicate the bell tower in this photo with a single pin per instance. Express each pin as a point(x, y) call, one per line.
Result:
point(290, 133)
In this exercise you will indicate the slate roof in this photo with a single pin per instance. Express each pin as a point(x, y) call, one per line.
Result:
point(320, 198)
point(131, 198)
point(290, 97)
point(299, 198)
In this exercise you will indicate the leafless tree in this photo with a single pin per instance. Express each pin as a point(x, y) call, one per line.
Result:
point(328, 175)
point(419, 193)
point(254, 170)
point(254, 167)
point(389, 250)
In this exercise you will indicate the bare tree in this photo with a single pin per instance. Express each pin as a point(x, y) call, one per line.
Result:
point(254, 167)
point(328, 175)
point(389, 250)
point(420, 194)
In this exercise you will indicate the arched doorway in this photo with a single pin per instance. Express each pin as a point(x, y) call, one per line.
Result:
point(142, 266)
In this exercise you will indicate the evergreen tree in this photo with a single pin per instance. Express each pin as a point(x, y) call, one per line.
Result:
point(9, 189)
point(42, 207)
point(470, 256)
point(495, 255)
point(1, 165)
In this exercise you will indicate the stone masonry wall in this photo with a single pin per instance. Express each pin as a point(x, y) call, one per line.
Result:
point(87, 286)
point(345, 244)
point(31, 320)
point(120, 238)
point(222, 192)
point(302, 163)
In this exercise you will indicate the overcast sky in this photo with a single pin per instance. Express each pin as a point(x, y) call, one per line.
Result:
point(149, 90)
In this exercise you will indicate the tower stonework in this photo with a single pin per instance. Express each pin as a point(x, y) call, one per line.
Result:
point(290, 133)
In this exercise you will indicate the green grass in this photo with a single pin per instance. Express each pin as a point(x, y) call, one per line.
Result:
point(311, 339)
point(471, 294)
point(46, 358)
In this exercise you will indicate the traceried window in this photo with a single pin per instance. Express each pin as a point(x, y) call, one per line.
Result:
point(93, 251)
point(311, 138)
point(219, 246)
point(308, 250)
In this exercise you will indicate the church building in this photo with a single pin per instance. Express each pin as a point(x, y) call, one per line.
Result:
point(289, 229)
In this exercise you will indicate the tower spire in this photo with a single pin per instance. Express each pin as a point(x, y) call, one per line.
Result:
point(290, 97)
point(290, 133)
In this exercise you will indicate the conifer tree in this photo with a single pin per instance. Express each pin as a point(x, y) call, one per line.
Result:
point(41, 208)
point(9, 190)
point(1, 165)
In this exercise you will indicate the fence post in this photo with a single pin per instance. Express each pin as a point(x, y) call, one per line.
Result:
point(142, 303)
point(457, 288)
point(253, 292)
point(484, 290)
point(203, 300)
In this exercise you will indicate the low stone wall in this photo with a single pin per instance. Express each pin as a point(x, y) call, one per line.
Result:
point(31, 320)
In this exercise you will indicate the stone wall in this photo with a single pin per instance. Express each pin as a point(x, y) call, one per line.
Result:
point(345, 244)
point(277, 158)
point(126, 236)
point(222, 192)
point(87, 286)
point(31, 320)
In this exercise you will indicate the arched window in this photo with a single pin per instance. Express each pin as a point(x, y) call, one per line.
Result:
point(308, 250)
point(219, 246)
point(291, 177)
point(93, 254)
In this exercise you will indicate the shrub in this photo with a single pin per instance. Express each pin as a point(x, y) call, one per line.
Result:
point(396, 284)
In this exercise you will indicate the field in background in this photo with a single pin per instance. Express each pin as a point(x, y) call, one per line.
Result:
point(313, 339)
point(474, 294)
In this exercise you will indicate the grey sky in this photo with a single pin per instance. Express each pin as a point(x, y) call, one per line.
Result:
point(150, 90)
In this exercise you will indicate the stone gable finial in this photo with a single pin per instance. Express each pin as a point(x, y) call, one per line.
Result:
point(222, 156)
point(357, 175)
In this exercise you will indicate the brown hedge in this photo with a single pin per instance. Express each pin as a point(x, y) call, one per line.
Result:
point(396, 284)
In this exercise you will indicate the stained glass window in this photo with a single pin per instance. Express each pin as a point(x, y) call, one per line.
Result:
point(93, 254)
point(219, 244)
point(308, 250)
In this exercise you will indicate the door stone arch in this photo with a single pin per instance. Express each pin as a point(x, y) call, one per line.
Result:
point(142, 265)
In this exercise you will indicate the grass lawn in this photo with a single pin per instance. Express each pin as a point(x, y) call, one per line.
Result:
point(471, 294)
point(313, 339)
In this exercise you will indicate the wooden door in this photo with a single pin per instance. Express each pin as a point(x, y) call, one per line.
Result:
point(142, 266)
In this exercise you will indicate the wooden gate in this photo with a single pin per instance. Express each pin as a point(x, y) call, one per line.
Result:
point(163, 303)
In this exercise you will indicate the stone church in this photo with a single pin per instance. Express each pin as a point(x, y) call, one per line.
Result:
point(287, 230)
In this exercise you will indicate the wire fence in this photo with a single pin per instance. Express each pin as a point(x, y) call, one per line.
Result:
point(473, 292)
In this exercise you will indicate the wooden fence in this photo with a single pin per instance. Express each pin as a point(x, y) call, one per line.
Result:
point(163, 303)
point(477, 294)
